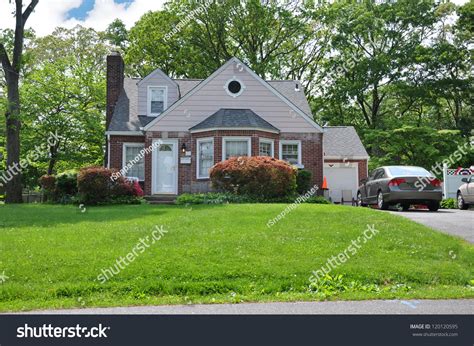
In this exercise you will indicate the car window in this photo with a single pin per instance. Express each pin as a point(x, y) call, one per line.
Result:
point(408, 171)
point(380, 174)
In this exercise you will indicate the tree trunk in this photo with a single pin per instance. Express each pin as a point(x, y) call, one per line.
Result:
point(14, 187)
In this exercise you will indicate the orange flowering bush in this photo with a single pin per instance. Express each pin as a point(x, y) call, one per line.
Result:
point(259, 176)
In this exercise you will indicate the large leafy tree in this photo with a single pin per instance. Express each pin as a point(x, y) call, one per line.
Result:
point(65, 93)
point(11, 65)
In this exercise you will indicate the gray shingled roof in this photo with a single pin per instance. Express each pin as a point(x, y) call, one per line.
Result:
point(343, 141)
point(126, 118)
point(234, 118)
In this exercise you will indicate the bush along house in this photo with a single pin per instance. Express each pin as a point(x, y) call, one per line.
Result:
point(192, 124)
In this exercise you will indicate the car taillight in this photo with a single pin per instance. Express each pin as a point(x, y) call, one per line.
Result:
point(396, 182)
point(435, 182)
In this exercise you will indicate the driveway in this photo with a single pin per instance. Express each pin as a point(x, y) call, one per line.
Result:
point(452, 221)
point(382, 307)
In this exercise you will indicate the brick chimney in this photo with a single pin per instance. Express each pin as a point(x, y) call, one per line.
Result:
point(115, 75)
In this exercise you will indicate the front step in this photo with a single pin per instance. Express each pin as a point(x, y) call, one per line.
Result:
point(161, 199)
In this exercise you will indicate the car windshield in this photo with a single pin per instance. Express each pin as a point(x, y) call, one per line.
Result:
point(407, 171)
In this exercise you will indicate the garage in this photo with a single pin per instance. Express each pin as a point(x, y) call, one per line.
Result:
point(342, 180)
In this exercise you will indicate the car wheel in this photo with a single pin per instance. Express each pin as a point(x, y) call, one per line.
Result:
point(461, 204)
point(405, 207)
point(359, 200)
point(380, 202)
point(433, 206)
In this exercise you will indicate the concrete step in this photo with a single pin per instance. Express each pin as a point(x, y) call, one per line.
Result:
point(161, 199)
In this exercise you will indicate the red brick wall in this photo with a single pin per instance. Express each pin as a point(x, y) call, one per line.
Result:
point(187, 177)
point(187, 180)
point(115, 68)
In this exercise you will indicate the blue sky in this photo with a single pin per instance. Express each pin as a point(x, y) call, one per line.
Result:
point(97, 14)
point(80, 12)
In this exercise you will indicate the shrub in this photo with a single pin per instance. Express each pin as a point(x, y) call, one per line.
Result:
point(259, 176)
point(210, 198)
point(66, 184)
point(48, 184)
point(303, 181)
point(449, 203)
point(95, 186)
point(317, 200)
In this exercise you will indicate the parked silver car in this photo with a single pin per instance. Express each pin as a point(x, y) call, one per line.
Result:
point(404, 185)
point(466, 193)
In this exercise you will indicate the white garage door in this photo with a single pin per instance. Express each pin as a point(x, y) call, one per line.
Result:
point(341, 178)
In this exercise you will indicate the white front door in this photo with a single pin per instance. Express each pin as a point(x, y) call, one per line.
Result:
point(165, 168)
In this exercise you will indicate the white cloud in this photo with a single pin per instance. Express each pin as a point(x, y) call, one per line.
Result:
point(50, 14)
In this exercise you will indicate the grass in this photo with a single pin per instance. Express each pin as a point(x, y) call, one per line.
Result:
point(52, 255)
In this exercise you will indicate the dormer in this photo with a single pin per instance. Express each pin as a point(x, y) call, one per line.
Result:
point(156, 92)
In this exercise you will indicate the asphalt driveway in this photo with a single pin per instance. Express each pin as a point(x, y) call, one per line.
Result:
point(453, 221)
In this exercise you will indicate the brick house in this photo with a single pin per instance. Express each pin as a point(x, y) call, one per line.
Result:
point(192, 124)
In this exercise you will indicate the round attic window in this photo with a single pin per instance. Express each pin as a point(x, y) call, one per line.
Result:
point(234, 87)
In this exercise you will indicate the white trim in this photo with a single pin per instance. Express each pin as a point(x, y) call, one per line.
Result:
point(267, 140)
point(126, 145)
point(124, 133)
point(215, 73)
point(198, 141)
point(234, 79)
point(156, 71)
point(234, 129)
point(346, 157)
point(108, 151)
point(236, 138)
point(300, 158)
point(148, 99)
point(154, 161)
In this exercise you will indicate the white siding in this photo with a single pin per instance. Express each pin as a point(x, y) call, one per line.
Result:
point(213, 96)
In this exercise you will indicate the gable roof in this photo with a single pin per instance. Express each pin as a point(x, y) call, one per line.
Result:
point(226, 118)
point(252, 73)
point(341, 142)
point(155, 72)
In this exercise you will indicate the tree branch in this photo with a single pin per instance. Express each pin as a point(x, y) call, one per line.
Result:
point(29, 9)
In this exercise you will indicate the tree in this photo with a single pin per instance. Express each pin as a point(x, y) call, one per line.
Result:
point(11, 69)
point(65, 93)
point(117, 34)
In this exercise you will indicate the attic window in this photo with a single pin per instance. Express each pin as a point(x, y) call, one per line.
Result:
point(234, 87)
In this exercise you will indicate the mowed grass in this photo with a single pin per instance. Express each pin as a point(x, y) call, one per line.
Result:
point(52, 255)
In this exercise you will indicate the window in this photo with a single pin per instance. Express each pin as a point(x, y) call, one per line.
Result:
point(290, 151)
point(266, 147)
point(408, 171)
point(133, 161)
point(205, 157)
point(234, 87)
point(157, 99)
point(235, 146)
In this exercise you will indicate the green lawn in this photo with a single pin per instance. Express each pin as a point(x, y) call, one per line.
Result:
point(52, 255)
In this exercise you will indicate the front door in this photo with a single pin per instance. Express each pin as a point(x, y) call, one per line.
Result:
point(165, 166)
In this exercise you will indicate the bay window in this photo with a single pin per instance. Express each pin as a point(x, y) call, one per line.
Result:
point(265, 147)
point(235, 146)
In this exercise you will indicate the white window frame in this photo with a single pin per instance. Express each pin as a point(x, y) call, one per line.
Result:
point(148, 99)
point(198, 154)
point(124, 154)
point(300, 157)
point(269, 141)
point(234, 139)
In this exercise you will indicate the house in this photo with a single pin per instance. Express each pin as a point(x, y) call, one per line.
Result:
point(191, 124)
